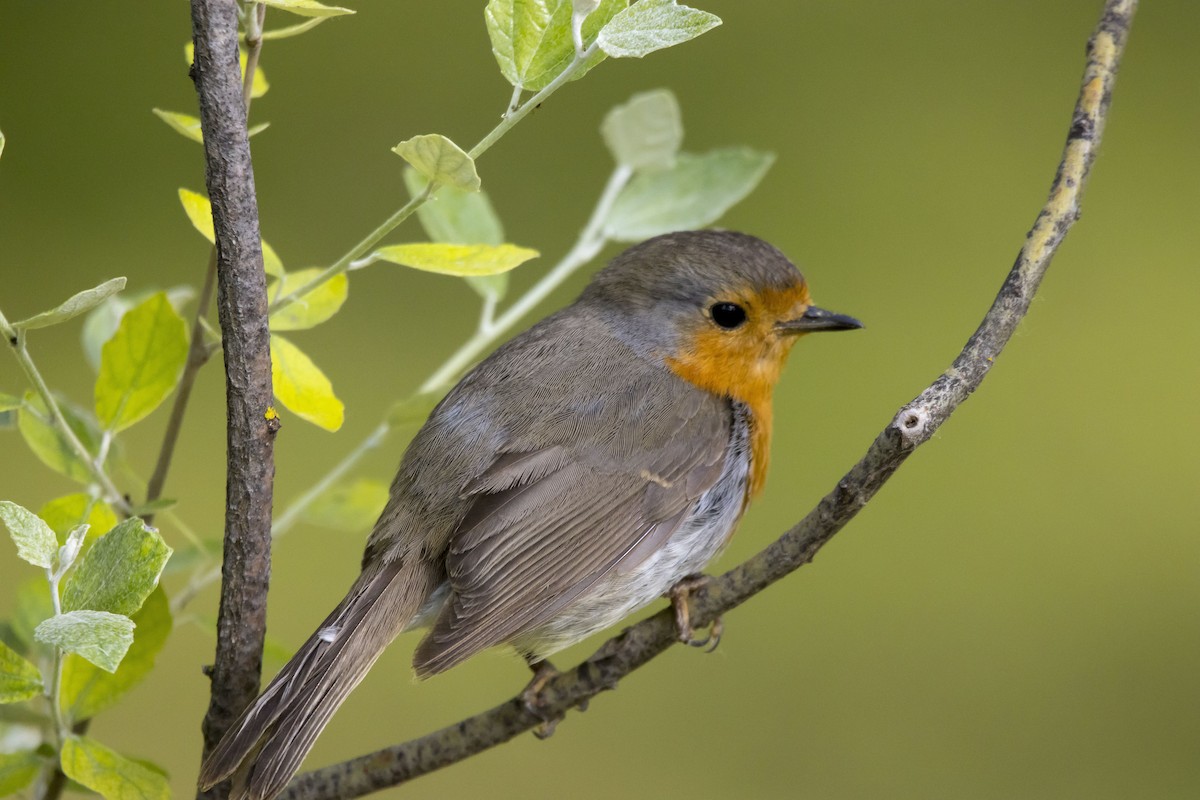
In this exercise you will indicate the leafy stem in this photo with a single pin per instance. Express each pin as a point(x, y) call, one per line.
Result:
point(391, 223)
point(16, 340)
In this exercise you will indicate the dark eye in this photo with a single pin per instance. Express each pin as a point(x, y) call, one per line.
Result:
point(728, 315)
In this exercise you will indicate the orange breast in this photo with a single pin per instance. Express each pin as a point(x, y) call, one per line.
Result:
point(745, 364)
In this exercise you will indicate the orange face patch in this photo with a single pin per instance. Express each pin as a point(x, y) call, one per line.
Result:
point(745, 363)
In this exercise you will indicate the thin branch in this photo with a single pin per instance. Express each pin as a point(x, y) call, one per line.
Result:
point(913, 425)
point(242, 309)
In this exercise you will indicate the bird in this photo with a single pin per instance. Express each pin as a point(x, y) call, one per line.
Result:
point(592, 464)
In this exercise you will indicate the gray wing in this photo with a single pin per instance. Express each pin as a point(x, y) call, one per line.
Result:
point(601, 490)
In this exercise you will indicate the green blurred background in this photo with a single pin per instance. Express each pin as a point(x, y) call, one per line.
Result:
point(1016, 615)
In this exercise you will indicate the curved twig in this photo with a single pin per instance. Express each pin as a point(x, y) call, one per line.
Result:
point(914, 424)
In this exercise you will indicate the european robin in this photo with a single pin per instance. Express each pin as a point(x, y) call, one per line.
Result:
point(589, 466)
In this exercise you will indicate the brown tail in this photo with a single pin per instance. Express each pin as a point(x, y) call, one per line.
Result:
point(280, 727)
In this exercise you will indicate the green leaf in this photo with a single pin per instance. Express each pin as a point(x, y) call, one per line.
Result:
point(119, 571)
point(49, 444)
point(141, 363)
point(100, 637)
point(440, 160)
point(532, 39)
point(293, 30)
point(307, 8)
point(457, 259)
point(189, 126)
point(312, 308)
point(100, 325)
point(35, 540)
point(460, 217)
point(351, 507)
point(2, 140)
point(455, 215)
point(258, 87)
point(694, 193)
point(64, 513)
point(113, 776)
point(9, 401)
point(73, 306)
point(653, 25)
point(17, 770)
point(302, 388)
point(646, 132)
point(88, 690)
point(19, 680)
point(272, 264)
point(184, 124)
point(199, 213)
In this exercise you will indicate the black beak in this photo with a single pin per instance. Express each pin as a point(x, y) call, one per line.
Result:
point(818, 319)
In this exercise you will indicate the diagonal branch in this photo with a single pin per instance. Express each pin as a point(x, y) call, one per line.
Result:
point(914, 424)
point(242, 308)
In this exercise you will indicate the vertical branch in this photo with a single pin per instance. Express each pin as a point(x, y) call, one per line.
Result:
point(242, 308)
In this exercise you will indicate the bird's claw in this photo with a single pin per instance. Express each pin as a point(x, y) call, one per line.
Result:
point(678, 595)
point(531, 697)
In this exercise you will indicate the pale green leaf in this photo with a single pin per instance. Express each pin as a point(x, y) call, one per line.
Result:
point(258, 86)
point(456, 216)
point(461, 217)
point(350, 507)
point(119, 571)
point(532, 39)
point(301, 386)
point(457, 259)
point(646, 132)
point(100, 637)
point(141, 363)
point(2, 140)
point(440, 160)
point(17, 770)
point(272, 264)
point(308, 8)
point(19, 680)
point(309, 309)
point(692, 194)
point(49, 444)
point(199, 213)
point(88, 690)
point(112, 776)
point(64, 513)
point(184, 124)
point(9, 401)
point(73, 306)
point(289, 31)
point(102, 322)
point(653, 25)
point(189, 126)
point(35, 540)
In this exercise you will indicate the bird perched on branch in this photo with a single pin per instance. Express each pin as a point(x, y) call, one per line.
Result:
point(592, 464)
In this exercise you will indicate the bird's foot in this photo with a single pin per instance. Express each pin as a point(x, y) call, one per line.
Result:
point(531, 697)
point(679, 595)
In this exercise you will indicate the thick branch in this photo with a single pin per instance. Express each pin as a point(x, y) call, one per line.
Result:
point(914, 424)
point(242, 308)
